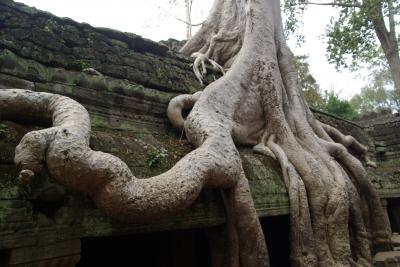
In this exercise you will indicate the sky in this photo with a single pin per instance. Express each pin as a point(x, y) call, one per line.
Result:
point(156, 20)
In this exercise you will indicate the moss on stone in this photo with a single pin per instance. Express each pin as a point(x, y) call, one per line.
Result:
point(3, 130)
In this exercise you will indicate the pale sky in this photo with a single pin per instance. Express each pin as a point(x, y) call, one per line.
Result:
point(154, 19)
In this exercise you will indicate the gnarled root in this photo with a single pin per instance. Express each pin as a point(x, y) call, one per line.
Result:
point(200, 61)
point(302, 238)
point(262, 147)
point(179, 104)
point(64, 148)
point(367, 199)
point(221, 36)
point(349, 141)
point(332, 223)
point(336, 215)
point(244, 226)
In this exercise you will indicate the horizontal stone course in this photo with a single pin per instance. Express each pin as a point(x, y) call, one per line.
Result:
point(127, 105)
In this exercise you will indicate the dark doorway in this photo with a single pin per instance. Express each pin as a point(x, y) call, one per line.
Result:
point(393, 209)
point(276, 230)
point(184, 248)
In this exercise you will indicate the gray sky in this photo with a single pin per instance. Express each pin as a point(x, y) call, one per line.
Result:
point(155, 20)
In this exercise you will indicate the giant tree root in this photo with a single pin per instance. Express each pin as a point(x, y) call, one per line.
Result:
point(63, 150)
point(336, 216)
point(221, 35)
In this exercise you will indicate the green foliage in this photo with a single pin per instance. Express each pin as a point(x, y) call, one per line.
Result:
point(328, 101)
point(155, 157)
point(379, 95)
point(83, 64)
point(309, 85)
point(351, 37)
point(340, 107)
point(293, 11)
point(3, 130)
point(51, 26)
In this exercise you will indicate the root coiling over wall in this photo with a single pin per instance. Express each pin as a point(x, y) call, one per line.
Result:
point(336, 216)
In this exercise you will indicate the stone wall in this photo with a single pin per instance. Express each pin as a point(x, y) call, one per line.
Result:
point(43, 223)
point(385, 130)
point(127, 104)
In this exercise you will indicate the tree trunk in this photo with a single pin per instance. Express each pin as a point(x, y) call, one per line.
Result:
point(188, 5)
point(336, 215)
point(387, 39)
point(329, 215)
point(393, 55)
point(394, 65)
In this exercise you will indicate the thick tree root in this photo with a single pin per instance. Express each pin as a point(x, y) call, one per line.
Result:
point(302, 239)
point(336, 215)
point(349, 141)
point(221, 37)
point(179, 104)
point(262, 147)
point(200, 61)
point(63, 150)
point(239, 205)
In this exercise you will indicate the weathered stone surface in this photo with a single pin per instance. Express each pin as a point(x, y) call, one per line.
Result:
point(387, 259)
point(347, 128)
point(61, 42)
point(386, 133)
point(133, 127)
point(129, 121)
point(136, 150)
point(173, 44)
point(66, 253)
point(127, 105)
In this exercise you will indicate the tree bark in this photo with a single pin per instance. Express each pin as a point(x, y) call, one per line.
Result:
point(336, 215)
point(387, 39)
point(188, 5)
point(394, 65)
point(328, 207)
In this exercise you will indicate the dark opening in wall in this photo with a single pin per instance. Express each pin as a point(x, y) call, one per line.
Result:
point(276, 230)
point(393, 208)
point(4, 257)
point(184, 248)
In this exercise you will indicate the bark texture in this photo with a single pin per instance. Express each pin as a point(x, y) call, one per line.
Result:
point(336, 215)
point(387, 37)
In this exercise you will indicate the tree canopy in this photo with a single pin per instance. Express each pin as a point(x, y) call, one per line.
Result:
point(378, 95)
point(336, 216)
point(309, 85)
point(328, 101)
point(363, 32)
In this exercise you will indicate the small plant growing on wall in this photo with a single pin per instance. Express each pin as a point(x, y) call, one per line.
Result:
point(3, 130)
point(83, 64)
point(155, 157)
